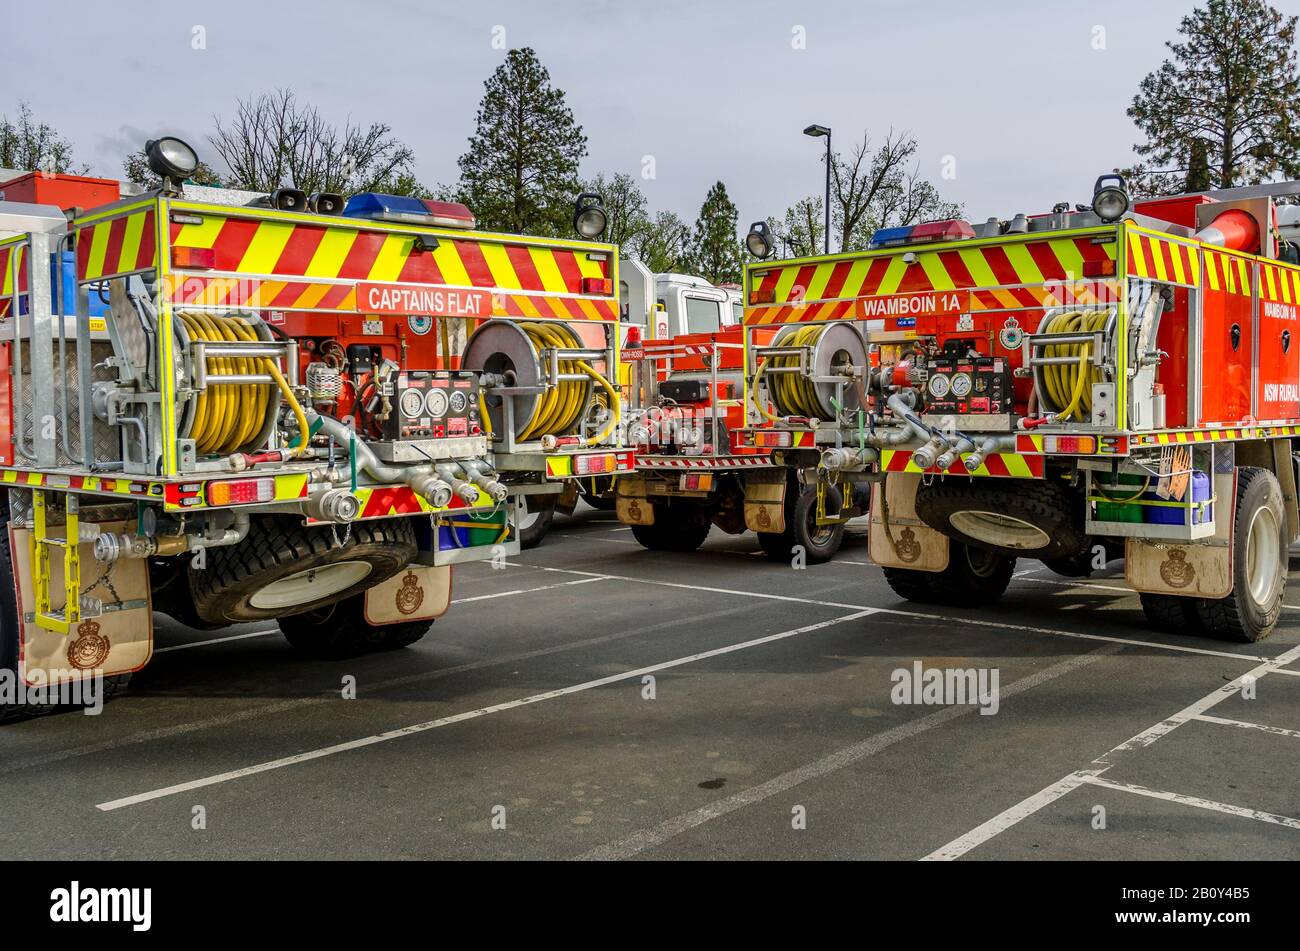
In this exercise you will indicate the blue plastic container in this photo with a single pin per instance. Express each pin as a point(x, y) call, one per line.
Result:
point(1177, 514)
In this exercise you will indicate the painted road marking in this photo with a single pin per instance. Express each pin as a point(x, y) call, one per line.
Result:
point(1196, 801)
point(671, 828)
point(1031, 804)
point(1242, 724)
point(467, 715)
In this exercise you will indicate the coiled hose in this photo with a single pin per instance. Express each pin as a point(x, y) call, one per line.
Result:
point(1069, 385)
point(792, 394)
point(227, 417)
point(559, 408)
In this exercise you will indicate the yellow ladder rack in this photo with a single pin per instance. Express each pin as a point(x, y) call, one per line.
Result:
point(63, 620)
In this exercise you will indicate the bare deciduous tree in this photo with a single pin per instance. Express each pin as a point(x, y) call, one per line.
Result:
point(277, 140)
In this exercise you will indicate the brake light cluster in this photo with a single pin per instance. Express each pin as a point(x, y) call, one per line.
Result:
point(241, 491)
point(1070, 445)
point(772, 439)
point(595, 464)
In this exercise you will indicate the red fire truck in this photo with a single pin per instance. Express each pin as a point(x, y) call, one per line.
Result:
point(1106, 378)
point(231, 407)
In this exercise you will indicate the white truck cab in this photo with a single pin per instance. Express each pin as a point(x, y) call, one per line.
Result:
point(665, 305)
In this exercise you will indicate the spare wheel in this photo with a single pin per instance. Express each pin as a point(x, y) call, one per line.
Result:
point(1016, 517)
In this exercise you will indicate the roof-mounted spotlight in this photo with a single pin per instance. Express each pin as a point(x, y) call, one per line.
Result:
point(1110, 197)
point(759, 240)
point(171, 160)
point(589, 218)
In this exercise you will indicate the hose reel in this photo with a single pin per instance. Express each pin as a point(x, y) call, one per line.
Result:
point(232, 410)
point(803, 365)
point(564, 388)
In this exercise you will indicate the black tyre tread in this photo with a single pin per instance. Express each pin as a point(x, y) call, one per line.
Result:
point(956, 586)
point(677, 528)
point(1043, 503)
point(1170, 613)
point(1224, 618)
point(535, 534)
point(274, 542)
point(339, 631)
point(779, 546)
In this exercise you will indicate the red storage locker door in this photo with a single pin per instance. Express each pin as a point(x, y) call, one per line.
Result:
point(1227, 339)
point(1279, 342)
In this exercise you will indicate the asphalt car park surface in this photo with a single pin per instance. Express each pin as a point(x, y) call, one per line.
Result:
point(592, 699)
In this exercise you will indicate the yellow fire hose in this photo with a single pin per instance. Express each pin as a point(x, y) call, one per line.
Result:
point(792, 393)
point(1067, 385)
point(227, 417)
point(558, 409)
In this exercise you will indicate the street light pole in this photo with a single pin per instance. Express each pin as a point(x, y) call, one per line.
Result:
point(817, 131)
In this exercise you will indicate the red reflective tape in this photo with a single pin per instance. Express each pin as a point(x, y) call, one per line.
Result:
point(525, 270)
point(799, 290)
point(915, 279)
point(870, 281)
point(958, 273)
point(113, 253)
point(836, 281)
point(233, 239)
point(298, 250)
point(1048, 263)
point(289, 294)
point(420, 268)
point(567, 262)
point(144, 258)
point(361, 256)
point(334, 297)
point(475, 264)
point(1148, 255)
point(1001, 266)
point(995, 464)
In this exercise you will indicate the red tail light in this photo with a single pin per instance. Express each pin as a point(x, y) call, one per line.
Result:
point(1104, 268)
point(762, 297)
point(597, 285)
point(194, 258)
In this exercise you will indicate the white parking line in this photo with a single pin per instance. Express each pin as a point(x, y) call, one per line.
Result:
point(507, 594)
point(467, 715)
point(1196, 801)
point(918, 615)
point(216, 640)
point(1244, 725)
point(671, 828)
point(1031, 804)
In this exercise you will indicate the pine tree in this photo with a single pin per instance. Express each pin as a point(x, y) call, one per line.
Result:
point(1231, 88)
point(520, 174)
point(715, 252)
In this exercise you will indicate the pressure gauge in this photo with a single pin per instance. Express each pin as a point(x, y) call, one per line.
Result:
point(412, 402)
point(459, 401)
point(436, 403)
point(961, 384)
point(939, 385)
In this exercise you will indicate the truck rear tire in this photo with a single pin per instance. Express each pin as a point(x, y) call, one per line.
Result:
point(1020, 518)
point(678, 526)
point(1260, 555)
point(338, 631)
point(10, 635)
point(1170, 614)
point(284, 567)
point(819, 542)
point(974, 578)
point(533, 526)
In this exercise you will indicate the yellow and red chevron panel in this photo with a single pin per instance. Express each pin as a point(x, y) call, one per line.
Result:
point(300, 263)
point(126, 244)
point(996, 272)
point(1229, 273)
point(194, 290)
point(1226, 434)
point(1005, 465)
point(1279, 283)
point(1161, 260)
point(7, 273)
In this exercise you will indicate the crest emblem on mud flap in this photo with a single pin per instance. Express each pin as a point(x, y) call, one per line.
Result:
point(410, 595)
point(634, 510)
point(764, 520)
point(908, 548)
point(90, 649)
point(1175, 570)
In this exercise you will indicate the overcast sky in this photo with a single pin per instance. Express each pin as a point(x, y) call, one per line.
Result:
point(1027, 98)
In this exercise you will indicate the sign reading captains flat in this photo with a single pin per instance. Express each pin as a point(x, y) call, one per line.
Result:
point(925, 304)
point(430, 301)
